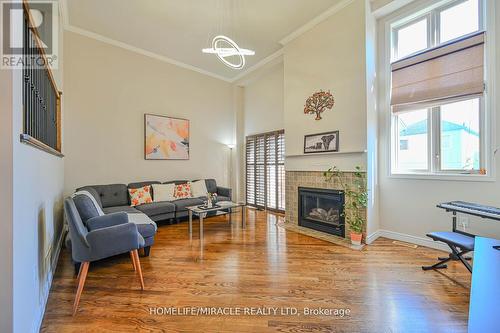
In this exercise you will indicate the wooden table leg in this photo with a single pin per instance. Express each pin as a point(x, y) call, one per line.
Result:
point(190, 224)
point(243, 217)
point(201, 225)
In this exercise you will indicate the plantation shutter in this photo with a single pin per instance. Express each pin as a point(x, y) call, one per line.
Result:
point(250, 170)
point(260, 190)
point(271, 174)
point(280, 144)
point(445, 72)
point(265, 170)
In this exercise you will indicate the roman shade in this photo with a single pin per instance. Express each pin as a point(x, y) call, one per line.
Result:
point(449, 71)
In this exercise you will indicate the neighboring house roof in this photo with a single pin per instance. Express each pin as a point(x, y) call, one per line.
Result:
point(421, 128)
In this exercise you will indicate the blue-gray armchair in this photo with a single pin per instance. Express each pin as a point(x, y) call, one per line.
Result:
point(101, 237)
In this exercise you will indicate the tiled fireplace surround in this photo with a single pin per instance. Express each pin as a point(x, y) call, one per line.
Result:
point(313, 179)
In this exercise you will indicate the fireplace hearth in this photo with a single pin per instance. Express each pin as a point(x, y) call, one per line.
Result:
point(322, 210)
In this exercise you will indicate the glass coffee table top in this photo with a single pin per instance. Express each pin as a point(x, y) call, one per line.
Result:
point(219, 208)
point(221, 205)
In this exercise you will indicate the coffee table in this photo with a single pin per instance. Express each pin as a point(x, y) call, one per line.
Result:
point(221, 208)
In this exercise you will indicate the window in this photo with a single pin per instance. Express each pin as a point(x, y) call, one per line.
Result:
point(265, 170)
point(460, 135)
point(413, 130)
point(435, 26)
point(437, 90)
point(443, 138)
point(412, 38)
point(458, 20)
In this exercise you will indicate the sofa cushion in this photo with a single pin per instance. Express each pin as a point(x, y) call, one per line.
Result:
point(110, 195)
point(223, 198)
point(142, 184)
point(94, 193)
point(156, 208)
point(126, 209)
point(211, 185)
point(176, 182)
point(146, 230)
point(85, 206)
point(181, 204)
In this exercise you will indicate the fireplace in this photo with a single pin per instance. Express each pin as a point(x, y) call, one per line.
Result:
point(322, 210)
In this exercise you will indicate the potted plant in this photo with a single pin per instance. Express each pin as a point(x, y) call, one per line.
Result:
point(356, 195)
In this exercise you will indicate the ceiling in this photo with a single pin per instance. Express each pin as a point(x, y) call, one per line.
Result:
point(179, 29)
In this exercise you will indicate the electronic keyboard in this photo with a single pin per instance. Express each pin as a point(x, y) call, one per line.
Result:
point(487, 212)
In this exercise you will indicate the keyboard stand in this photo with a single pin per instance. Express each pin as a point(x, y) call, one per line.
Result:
point(453, 256)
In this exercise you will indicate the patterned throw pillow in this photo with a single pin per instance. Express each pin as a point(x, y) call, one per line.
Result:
point(183, 191)
point(139, 196)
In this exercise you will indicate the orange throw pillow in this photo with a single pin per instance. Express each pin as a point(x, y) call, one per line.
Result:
point(183, 191)
point(139, 196)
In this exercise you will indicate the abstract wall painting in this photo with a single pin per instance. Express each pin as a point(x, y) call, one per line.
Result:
point(166, 138)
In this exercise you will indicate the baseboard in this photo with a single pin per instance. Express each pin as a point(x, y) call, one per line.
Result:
point(372, 237)
point(407, 238)
point(48, 282)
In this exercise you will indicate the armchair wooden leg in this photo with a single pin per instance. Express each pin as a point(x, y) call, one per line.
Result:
point(133, 261)
point(79, 272)
point(81, 282)
point(135, 254)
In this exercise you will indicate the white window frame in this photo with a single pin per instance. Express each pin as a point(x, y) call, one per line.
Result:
point(434, 142)
point(432, 14)
point(487, 101)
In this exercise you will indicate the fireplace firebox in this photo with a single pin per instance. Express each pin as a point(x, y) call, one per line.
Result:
point(322, 210)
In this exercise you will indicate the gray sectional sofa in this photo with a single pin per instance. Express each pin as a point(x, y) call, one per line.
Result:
point(114, 198)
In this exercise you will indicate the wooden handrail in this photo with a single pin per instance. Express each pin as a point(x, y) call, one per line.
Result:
point(41, 137)
point(39, 46)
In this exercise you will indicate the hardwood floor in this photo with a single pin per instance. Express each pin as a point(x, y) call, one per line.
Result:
point(262, 266)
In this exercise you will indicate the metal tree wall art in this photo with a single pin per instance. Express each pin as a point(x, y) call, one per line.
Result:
point(318, 103)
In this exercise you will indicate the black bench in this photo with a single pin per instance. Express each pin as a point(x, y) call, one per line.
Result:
point(459, 243)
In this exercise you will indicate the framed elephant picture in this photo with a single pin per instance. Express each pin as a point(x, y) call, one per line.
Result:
point(321, 142)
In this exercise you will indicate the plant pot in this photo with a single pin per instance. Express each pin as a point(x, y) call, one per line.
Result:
point(356, 238)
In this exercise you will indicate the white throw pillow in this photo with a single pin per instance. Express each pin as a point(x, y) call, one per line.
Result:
point(199, 188)
point(163, 192)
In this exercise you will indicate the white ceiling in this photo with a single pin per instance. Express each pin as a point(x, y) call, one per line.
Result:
point(179, 29)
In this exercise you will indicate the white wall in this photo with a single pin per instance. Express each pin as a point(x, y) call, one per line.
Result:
point(6, 204)
point(408, 206)
point(373, 212)
point(108, 91)
point(263, 102)
point(37, 217)
point(331, 56)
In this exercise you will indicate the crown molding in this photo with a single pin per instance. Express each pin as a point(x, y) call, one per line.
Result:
point(269, 59)
point(315, 21)
point(140, 51)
